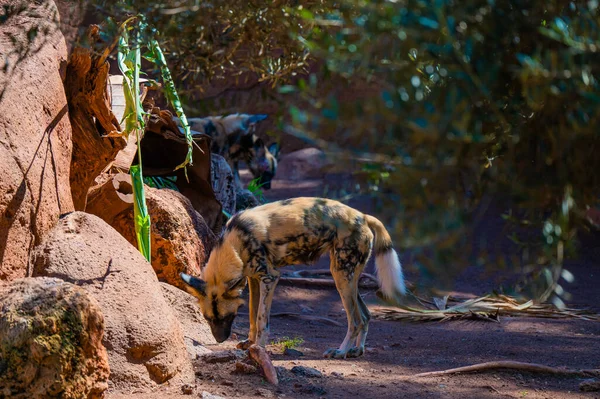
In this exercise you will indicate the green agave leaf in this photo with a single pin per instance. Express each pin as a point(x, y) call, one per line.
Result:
point(130, 64)
point(157, 56)
point(140, 212)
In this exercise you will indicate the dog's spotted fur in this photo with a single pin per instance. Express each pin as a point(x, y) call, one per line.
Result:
point(233, 138)
point(260, 240)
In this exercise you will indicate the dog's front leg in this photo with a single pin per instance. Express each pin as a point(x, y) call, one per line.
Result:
point(254, 300)
point(267, 289)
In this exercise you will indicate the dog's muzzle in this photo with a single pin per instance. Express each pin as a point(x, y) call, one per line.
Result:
point(221, 329)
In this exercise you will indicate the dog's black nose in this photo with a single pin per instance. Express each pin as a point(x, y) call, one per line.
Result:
point(221, 333)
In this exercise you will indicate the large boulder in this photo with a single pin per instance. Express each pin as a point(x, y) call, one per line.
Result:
point(143, 337)
point(180, 238)
point(308, 163)
point(50, 341)
point(35, 132)
point(196, 331)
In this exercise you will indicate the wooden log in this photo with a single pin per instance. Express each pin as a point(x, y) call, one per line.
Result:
point(96, 130)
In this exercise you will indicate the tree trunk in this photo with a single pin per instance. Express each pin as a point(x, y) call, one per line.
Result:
point(91, 117)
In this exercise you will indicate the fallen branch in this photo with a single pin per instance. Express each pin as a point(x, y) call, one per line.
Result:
point(261, 357)
point(512, 365)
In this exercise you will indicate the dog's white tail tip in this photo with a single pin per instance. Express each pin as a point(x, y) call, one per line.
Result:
point(389, 274)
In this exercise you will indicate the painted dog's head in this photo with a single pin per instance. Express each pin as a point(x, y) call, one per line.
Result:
point(219, 302)
point(261, 160)
point(234, 138)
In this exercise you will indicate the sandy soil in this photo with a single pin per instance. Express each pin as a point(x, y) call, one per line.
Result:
point(396, 350)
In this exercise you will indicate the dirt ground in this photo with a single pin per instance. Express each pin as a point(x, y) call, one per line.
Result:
point(396, 350)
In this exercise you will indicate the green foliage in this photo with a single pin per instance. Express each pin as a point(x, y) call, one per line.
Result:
point(288, 343)
point(161, 182)
point(207, 41)
point(254, 186)
point(461, 102)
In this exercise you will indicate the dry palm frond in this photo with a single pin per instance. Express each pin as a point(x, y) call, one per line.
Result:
point(487, 308)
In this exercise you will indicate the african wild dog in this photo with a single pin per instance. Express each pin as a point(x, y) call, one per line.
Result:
point(258, 241)
point(233, 138)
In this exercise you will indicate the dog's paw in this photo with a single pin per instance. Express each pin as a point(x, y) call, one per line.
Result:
point(333, 353)
point(244, 345)
point(356, 351)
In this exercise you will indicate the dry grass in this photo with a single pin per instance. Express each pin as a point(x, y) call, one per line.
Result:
point(487, 308)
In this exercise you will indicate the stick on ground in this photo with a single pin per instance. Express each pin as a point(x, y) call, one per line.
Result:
point(512, 365)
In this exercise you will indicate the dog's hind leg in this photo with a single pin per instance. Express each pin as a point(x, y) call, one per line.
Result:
point(267, 289)
point(346, 272)
point(362, 335)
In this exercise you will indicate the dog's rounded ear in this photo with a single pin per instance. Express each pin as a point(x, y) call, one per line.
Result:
point(194, 285)
point(274, 149)
point(251, 120)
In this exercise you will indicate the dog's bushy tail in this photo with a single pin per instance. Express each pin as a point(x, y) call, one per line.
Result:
point(389, 269)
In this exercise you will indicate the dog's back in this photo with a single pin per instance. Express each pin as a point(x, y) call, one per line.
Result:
point(300, 230)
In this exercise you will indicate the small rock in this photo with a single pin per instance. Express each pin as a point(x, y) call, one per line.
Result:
point(245, 368)
point(307, 372)
point(206, 395)
point(337, 375)
point(280, 371)
point(265, 393)
point(227, 383)
point(292, 352)
point(187, 389)
point(316, 390)
point(219, 357)
point(591, 385)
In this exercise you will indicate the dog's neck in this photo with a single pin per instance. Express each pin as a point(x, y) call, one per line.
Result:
point(224, 263)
